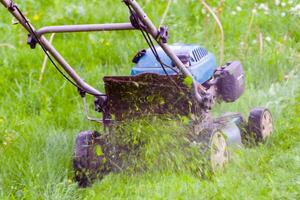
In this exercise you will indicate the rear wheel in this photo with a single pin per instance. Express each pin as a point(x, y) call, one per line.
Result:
point(260, 123)
point(89, 161)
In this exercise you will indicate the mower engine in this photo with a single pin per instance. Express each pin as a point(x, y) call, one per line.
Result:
point(228, 81)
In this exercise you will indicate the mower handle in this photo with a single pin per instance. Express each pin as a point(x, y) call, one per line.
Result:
point(9, 4)
point(149, 26)
point(84, 28)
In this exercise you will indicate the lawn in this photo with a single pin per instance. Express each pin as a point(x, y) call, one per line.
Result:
point(39, 120)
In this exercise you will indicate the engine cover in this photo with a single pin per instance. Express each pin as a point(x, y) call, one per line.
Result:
point(199, 61)
point(231, 83)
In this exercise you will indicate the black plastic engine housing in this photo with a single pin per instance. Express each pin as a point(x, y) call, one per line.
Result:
point(231, 83)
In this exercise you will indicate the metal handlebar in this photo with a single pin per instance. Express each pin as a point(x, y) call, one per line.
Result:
point(56, 55)
point(150, 28)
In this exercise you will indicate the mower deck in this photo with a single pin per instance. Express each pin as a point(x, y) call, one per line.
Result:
point(136, 96)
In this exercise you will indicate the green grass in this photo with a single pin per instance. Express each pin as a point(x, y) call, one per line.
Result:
point(39, 121)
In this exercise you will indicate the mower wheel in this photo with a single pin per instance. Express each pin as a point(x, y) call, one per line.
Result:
point(89, 161)
point(260, 123)
point(214, 147)
point(218, 151)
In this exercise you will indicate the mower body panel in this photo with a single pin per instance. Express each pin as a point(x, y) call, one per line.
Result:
point(198, 60)
point(231, 125)
point(233, 134)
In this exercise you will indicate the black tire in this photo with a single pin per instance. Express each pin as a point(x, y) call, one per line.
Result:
point(260, 124)
point(89, 161)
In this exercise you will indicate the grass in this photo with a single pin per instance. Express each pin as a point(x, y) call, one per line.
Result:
point(39, 122)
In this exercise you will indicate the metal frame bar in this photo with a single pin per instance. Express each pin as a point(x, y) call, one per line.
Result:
point(85, 28)
point(150, 28)
point(9, 4)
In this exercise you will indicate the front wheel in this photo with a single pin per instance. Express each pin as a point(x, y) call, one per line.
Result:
point(213, 146)
point(218, 151)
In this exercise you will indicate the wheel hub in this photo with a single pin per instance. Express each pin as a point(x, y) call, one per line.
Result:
point(219, 153)
point(267, 125)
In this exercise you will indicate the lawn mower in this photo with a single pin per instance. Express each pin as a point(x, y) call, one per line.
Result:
point(167, 80)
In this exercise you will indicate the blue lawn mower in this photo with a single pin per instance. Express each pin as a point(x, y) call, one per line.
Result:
point(166, 80)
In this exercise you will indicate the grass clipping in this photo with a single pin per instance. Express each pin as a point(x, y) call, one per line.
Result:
point(156, 145)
